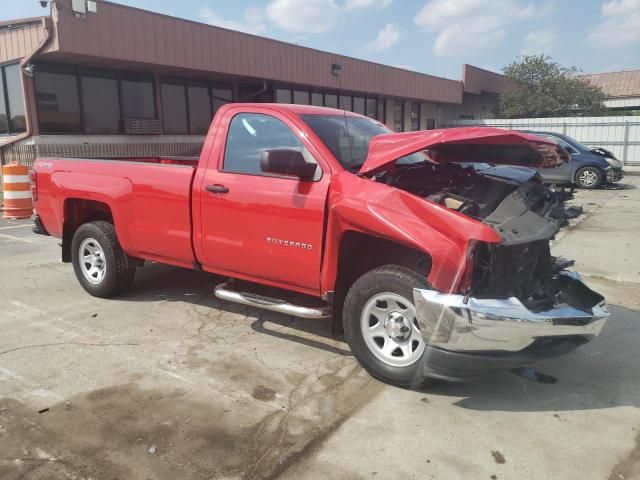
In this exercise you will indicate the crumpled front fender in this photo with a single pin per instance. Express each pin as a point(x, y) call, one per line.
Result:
point(365, 206)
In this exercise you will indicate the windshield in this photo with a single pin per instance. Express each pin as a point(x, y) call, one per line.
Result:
point(348, 138)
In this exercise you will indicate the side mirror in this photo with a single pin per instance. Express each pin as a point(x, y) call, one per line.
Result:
point(287, 161)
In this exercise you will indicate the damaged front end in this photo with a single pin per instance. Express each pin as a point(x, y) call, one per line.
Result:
point(517, 303)
point(514, 303)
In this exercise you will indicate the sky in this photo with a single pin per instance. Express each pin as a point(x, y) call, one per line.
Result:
point(429, 36)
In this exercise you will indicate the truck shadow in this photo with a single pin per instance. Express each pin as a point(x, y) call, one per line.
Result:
point(157, 282)
point(618, 186)
point(602, 374)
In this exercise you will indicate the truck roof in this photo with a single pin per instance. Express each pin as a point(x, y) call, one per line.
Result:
point(300, 109)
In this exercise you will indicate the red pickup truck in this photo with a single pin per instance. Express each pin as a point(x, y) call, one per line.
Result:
point(430, 249)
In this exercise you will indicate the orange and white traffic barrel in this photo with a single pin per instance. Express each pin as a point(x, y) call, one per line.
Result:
point(16, 191)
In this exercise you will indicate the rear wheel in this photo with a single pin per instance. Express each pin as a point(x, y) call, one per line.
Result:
point(98, 260)
point(589, 177)
point(381, 327)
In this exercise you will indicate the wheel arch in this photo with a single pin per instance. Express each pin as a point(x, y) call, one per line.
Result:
point(77, 211)
point(361, 252)
point(586, 165)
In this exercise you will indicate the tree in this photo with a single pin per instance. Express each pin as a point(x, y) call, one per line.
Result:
point(540, 87)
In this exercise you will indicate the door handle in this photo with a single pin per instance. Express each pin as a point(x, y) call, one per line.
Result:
point(217, 189)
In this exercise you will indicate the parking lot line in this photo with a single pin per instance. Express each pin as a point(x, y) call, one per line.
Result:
point(16, 226)
point(18, 239)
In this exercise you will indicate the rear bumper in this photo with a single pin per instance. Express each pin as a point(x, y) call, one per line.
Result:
point(493, 334)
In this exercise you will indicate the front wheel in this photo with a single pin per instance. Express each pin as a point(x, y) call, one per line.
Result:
point(589, 177)
point(381, 327)
point(98, 260)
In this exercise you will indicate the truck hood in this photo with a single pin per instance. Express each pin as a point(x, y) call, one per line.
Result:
point(471, 144)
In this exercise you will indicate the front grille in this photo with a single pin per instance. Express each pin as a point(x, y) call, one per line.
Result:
point(521, 271)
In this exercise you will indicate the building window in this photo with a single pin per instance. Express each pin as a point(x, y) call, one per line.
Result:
point(316, 99)
point(415, 116)
point(371, 107)
point(382, 111)
point(431, 123)
point(345, 102)
point(4, 116)
point(58, 100)
point(12, 104)
point(174, 106)
point(199, 108)
point(283, 95)
point(358, 105)
point(398, 116)
point(138, 100)
point(331, 100)
point(301, 97)
point(221, 94)
point(100, 102)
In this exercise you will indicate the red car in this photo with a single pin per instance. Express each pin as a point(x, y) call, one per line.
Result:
point(427, 248)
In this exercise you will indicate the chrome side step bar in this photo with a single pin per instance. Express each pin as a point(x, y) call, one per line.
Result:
point(225, 292)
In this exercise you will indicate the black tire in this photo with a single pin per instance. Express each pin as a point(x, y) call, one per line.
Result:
point(586, 175)
point(396, 280)
point(118, 275)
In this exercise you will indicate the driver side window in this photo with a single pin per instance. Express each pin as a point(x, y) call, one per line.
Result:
point(562, 143)
point(249, 135)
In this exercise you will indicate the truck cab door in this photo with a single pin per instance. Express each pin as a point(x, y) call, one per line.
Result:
point(255, 224)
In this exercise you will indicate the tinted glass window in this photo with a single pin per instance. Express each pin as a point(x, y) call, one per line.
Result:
point(101, 103)
point(283, 95)
point(345, 102)
point(251, 134)
point(137, 97)
point(415, 116)
point(58, 102)
point(4, 121)
point(382, 109)
point(398, 116)
point(17, 123)
point(330, 100)
point(358, 105)
point(561, 142)
point(221, 94)
point(300, 97)
point(174, 108)
point(316, 99)
point(350, 146)
point(199, 109)
point(371, 107)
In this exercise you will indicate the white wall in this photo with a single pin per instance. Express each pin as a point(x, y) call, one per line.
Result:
point(621, 135)
point(623, 102)
point(475, 106)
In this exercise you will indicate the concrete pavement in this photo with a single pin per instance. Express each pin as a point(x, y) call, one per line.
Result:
point(168, 382)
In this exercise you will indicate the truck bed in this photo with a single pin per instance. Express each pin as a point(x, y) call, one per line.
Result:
point(149, 198)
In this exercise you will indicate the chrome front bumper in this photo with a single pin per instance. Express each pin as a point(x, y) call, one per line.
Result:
point(506, 325)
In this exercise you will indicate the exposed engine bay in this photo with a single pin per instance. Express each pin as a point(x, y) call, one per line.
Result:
point(492, 194)
point(517, 204)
